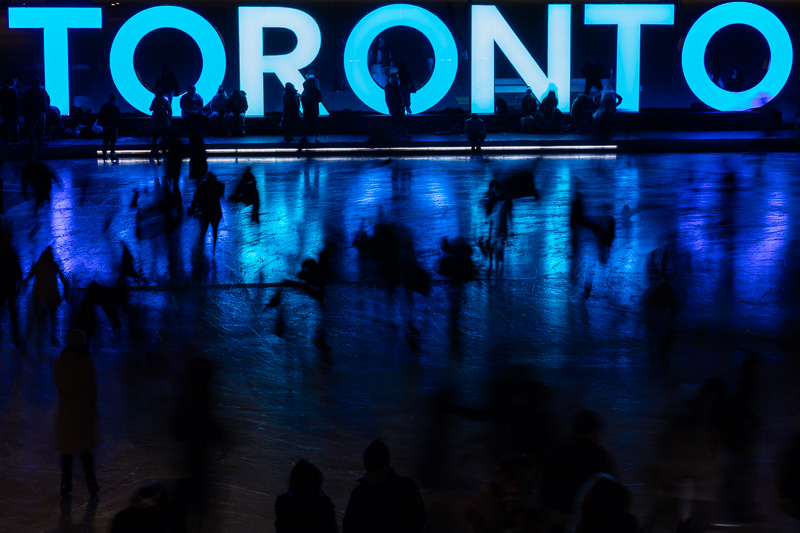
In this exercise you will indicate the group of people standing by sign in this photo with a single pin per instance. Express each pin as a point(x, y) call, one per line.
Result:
point(224, 114)
point(310, 99)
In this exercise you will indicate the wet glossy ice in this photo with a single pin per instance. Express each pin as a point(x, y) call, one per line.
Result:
point(737, 242)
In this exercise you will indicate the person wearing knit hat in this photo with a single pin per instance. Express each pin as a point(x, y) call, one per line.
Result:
point(76, 381)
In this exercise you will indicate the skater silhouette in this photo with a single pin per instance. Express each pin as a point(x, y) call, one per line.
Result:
point(46, 297)
point(247, 193)
point(206, 207)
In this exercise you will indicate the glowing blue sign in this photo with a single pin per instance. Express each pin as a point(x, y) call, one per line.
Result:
point(368, 29)
point(199, 29)
point(253, 64)
point(629, 20)
point(694, 50)
point(55, 21)
point(489, 27)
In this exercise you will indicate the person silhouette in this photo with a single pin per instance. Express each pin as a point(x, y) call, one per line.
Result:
point(10, 279)
point(238, 107)
point(247, 193)
point(76, 382)
point(46, 297)
point(305, 508)
point(174, 152)
point(311, 99)
point(406, 79)
point(382, 500)
point(97, 295)
point(192, 110)
point(198, 157)
point(35, 103)
point(607, 102)
point(206, 206)
point(397, 100)
point(475, 131)
point(291, 111)
point(160, 120)
point(167, 83)
point(109, 118)
point(548, 109)
point(530, 104)
point(40, 177)
point(220, 112)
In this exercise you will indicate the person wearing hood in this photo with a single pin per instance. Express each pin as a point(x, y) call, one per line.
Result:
point(382, 500)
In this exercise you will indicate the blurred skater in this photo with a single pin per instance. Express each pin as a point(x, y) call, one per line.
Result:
point(206, 207)
point(39, 176)
point(457, 266)
point(390, 250)
point(97, 295)
point(247, 193)
point(46, 297)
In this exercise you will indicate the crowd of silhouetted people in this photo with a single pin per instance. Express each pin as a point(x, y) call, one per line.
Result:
point(28, 115)
point(542, 482)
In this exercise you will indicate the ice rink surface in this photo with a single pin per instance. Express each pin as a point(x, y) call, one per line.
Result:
point(554, 314)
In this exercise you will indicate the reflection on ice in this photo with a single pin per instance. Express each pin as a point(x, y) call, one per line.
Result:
point(315, 359)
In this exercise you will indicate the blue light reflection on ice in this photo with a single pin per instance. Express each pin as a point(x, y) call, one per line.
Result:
point(441, 197)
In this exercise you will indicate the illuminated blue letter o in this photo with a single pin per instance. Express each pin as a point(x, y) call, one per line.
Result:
point(368, 29)
point(123, 71)
point(694, 51)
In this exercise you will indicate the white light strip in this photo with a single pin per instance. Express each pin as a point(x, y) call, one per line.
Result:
point(345, 149)
point(126, 152)
point(514, 157)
